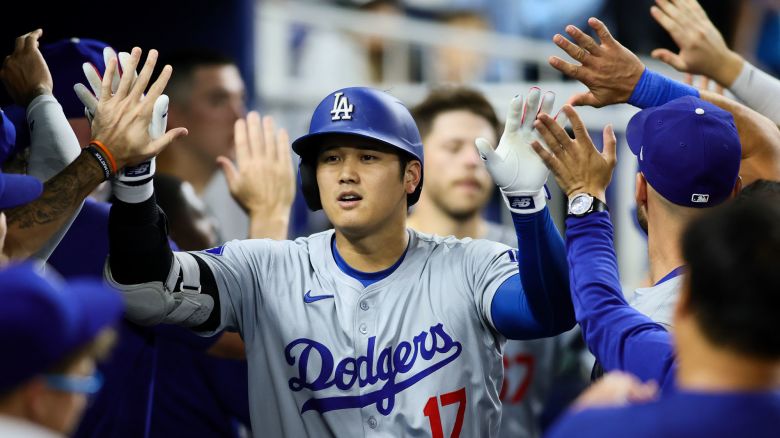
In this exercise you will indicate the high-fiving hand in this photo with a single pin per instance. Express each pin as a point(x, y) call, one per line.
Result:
point(576, 163)
point(609, 70)
point(517, 171)
point(123, 118)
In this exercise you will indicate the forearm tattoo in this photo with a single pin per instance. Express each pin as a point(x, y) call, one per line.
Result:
point(62, 194)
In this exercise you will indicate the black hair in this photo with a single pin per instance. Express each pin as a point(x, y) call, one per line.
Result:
point(184, 63)
point(733, 254)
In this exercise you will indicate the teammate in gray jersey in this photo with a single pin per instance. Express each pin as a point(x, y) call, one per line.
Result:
point(370, 329)
point(457, 188)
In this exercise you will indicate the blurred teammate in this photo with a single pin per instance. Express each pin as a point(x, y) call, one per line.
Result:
point(719, 366)
point(56, 334)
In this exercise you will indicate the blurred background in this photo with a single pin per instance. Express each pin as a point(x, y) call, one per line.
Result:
point(292, 53)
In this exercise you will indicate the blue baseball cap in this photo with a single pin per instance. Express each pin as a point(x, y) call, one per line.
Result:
point(688, 149)
point(16, 190)
point(43, 320)
point(65, 58)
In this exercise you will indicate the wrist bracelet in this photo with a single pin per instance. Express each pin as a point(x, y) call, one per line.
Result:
point(104, 165)
point(106, 154)
point(655, 89)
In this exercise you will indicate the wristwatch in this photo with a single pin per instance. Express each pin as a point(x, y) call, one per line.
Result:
point(585, 203)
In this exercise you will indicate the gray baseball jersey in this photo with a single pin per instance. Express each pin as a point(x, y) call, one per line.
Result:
point(658, 302)
point(414, 354)
point(530, 368)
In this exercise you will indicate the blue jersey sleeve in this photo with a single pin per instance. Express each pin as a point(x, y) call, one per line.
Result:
point(536, 302)
point(619, 336)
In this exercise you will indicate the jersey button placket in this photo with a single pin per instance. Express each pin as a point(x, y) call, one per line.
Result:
point(363, 328)
point(364, 305)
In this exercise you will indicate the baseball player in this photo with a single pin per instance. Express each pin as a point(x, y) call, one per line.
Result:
point(370, 329)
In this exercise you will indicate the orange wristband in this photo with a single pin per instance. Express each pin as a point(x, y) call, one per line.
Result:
point(99, 144)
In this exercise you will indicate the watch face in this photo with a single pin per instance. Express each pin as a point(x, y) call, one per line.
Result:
point(580, 204)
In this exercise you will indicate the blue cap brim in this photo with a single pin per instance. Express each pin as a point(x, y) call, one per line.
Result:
point(18, 190)
point(635, 131)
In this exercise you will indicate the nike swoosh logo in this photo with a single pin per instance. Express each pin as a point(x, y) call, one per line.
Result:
point(309, 298)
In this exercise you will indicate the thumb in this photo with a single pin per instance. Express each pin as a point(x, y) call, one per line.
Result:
point(169, 137)
point(487, 153)
point(670, 58)
point(584, 99)
point(230, 170)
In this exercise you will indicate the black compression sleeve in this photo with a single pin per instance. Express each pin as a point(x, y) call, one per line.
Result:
point(138, 242)
point(139, 251)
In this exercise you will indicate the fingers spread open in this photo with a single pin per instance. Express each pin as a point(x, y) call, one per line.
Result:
point(531, 108)
point(580, 131)
point(143, 78)
point(571, 49)
point(610, 144)
point(583, 40)
point(571, 70)
point(93, 77)
point(109, 53)
point(129, 64)
point(547, 136)
point(548, 100)
point(105, 85)
point(159, 85)
point(514, 114)
point(602, 31)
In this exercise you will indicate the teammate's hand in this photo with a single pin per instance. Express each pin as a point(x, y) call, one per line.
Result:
point(514, 167)
point(90, 97)
point(122, 119)
point(702, 48)
point(616, 389)
point(576, 163)
point(25, 73)
point(262, 181)
point(609, 70)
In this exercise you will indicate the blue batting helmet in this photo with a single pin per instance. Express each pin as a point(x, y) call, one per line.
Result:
point(361, 112)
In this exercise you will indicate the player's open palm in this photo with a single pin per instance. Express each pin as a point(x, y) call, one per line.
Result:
point(122, 118)
point(702, 47)
point(262, 180)
point(576, 163)
point(608, 69)
point(514, 166)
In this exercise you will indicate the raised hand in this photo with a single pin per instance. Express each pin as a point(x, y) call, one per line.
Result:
point(517, 171)
point(703, 50)
point(609, 70)
point(123, 119)
point(25, 73)
point(262, 181)
point(576, 163)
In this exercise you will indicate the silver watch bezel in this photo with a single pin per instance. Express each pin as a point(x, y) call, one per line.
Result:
point(588, 206)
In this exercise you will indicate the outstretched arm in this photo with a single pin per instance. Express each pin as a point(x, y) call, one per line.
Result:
point(615, 75)
point(535, 303)
point(619, 336)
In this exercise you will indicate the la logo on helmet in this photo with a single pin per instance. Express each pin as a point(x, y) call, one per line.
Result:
point(342, 109)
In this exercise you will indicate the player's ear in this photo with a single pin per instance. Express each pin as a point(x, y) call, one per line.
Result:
point(412, 176)
point(640, 195)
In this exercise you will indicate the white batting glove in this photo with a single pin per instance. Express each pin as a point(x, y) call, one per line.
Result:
point(131, 184)
point(516, 169)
